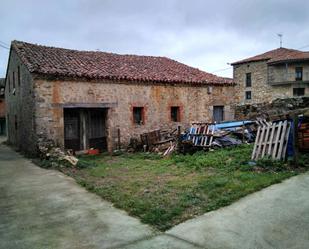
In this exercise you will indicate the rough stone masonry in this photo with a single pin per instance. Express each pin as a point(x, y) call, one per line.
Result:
point(55, 94)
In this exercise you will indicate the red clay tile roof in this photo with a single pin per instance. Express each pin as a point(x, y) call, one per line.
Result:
point(61, 62)
point(276, 56)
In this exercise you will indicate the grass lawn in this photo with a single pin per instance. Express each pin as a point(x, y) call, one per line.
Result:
point(165, 192)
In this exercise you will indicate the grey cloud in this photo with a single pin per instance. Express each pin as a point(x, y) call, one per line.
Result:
point(204, 34)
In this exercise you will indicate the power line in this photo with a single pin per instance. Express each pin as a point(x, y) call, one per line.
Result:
point(4, 46)
point(295, 52)
point(304, 46)
point(222, 69)
point(4, 43)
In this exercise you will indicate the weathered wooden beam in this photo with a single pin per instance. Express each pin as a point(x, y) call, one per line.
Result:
point(85, 105)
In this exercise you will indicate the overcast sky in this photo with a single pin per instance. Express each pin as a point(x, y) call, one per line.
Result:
point(200, 33)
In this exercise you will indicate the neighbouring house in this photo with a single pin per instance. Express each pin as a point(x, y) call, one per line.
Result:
point(279, 73)
point(2, 108)
point(83, 99)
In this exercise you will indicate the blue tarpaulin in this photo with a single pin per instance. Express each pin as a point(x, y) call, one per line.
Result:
point(232, 124)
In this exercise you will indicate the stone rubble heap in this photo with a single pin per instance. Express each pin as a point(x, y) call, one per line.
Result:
point(48, 151)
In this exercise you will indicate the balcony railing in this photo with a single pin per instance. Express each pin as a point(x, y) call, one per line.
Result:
point(287, 78)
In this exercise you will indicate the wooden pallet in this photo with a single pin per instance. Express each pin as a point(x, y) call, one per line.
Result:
point(271, 140)
point(201, 134)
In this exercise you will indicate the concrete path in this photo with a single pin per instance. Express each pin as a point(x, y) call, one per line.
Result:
point(45, 209)
point(276, 217)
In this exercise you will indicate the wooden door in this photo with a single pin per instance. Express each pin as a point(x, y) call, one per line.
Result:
point(218, 113)
point(97, 129)
point(72, 129)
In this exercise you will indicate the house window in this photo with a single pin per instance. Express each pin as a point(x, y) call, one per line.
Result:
point(138, 115)
point(248, 95)
point(298, 73)
point(175, 113)
point(248, 79)
point(298, 92)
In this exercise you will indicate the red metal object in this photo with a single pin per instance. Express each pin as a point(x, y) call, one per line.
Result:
point(93, 152)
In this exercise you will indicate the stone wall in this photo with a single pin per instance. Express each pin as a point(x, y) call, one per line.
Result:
point(195, 102)
point(20, 106)
point(277, 109)
point(279, 73)
point(35, 105)
point(261, 89)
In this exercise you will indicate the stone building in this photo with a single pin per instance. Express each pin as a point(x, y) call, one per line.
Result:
point(279, 73)
point(2, 108)
point(82, 99)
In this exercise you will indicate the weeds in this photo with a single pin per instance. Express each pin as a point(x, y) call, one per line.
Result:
point(303, 160)
point(166, 191)
point(267, 163)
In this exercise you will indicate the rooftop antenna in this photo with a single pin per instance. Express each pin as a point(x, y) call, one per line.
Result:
point(280, 37)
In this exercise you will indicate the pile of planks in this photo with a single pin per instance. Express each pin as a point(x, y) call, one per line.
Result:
point(158, 140)
point(201, 134)
point(271, 140)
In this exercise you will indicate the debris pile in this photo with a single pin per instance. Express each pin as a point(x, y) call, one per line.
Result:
point(159, 141)
point(48, 151)
point(202, 135)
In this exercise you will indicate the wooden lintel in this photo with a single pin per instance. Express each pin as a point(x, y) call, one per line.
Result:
point(85, 105)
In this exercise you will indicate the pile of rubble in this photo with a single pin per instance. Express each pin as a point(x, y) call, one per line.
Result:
point(48, 151)
point(278, 109)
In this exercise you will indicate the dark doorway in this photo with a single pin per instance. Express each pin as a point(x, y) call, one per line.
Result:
point(2, 126)
point(85, 128)
point(218, 113)
point(97, 126)
point(72, 129)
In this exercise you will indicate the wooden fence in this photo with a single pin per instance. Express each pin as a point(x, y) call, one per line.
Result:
point(271, 140)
